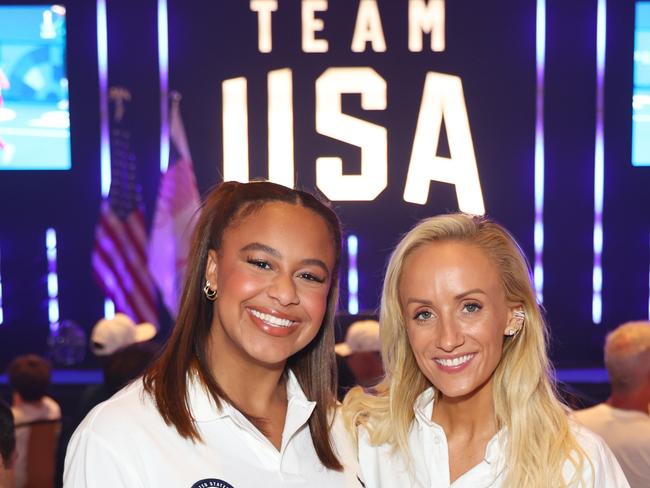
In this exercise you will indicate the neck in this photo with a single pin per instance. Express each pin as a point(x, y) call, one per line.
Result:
point(468, 416)
point(256, 388)
point(635, 400)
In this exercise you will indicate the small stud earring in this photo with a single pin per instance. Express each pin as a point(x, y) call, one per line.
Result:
point(210, 294)
point(510, 331)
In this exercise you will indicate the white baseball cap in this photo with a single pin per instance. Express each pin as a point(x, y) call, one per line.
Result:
point(111, 335)
point(361, 336)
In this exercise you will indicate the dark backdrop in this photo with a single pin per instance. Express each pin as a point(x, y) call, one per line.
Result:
point(489, 45)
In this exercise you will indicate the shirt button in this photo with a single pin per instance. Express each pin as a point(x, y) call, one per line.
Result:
point(436, 440)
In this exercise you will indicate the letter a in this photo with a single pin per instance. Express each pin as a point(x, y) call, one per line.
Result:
point(443, 97)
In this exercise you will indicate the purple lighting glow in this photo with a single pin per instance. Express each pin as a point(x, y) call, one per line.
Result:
point(163, 70)
point(540, 49)
point(102, 67)
point(599, 164)
point(52, 280)
point(353, 275)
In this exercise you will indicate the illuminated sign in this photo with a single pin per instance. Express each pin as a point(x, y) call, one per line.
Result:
point(442, 100)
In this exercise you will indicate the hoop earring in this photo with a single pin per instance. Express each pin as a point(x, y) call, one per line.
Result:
point(210, 294)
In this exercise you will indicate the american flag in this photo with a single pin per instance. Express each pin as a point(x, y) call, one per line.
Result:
point(176, 212)
point(119, 257)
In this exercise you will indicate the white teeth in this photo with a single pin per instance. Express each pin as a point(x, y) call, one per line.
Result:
point(271, 319)
point(456, 361)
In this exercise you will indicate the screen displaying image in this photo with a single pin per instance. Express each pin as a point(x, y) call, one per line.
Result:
point(34, 117)
point(641, 91)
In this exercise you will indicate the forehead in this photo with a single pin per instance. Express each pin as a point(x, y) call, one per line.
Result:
point(285, 227)
point(449, 266)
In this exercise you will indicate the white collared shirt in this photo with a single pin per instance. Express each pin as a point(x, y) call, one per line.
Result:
point(383, 467)
point(627, 433)
point(124, 442)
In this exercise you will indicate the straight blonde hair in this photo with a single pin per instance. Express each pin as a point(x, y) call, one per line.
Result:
point(526, 403)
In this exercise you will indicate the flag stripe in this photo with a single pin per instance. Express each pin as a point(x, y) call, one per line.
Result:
point(129, 302)
point(113, 241)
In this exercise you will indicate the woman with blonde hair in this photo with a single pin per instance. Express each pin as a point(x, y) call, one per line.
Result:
point(468, 399)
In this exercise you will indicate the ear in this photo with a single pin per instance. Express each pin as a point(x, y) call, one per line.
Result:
point(211, 267)
point(516, 320)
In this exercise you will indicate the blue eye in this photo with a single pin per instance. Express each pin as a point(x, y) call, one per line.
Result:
point(259, 263)
point(472, 307)
point(423, 315)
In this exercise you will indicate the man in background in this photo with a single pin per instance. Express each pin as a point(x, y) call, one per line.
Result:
point(7, 444)
point(360, 355)
point(623, 420)
point(29, 378)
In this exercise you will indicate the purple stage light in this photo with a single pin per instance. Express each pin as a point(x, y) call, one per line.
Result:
point(599, 163)
point(540, 50)
point(353, 275)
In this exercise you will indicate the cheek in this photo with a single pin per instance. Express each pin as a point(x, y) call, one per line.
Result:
point(418, 339)
point(315, 303)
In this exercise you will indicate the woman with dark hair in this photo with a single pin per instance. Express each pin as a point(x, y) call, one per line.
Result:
point(244, 391)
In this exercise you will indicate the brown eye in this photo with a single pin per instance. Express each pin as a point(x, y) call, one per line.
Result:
point(259, 263)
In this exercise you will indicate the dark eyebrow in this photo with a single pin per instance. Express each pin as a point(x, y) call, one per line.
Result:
point(258, 246)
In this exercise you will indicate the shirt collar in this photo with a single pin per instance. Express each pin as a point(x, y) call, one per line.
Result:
point(423, 408)
point(204, 409)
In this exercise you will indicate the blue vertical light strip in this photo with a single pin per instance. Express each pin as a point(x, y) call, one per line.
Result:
point(353, 275)
point(52, 279)
point(163, 70)
point(102, 68)
point(540, 50)
point(2, 315)
point(599, 163)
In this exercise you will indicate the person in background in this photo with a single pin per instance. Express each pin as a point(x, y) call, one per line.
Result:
point(360, 351)
point(623, 420)
point(243, 393)
point(468, 400)
point(29, 378)
point(125, 349)
point(7, 445)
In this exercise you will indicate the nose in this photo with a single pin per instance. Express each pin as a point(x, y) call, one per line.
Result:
point(283, 289)
point(451, 335)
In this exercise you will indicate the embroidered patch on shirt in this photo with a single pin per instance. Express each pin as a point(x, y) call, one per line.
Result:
point(212, 483)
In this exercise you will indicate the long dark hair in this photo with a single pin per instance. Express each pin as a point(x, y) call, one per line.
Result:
point(185, 351)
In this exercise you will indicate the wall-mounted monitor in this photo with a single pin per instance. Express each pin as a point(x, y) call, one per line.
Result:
point(641, 90)
point(34, 115)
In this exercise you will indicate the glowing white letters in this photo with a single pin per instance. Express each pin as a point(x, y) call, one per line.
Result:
point(281, 127)
point(264, 9)
point(371, 138)
point(443, 97)
point(368, 28)
point(430, 18)
point(424, 17)
point(311, 25)
point(235, 130)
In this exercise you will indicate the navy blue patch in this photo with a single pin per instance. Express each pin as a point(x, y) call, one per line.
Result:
point(212, 483)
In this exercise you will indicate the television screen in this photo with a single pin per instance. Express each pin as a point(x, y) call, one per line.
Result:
point(34, 116)
point(641, 90)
